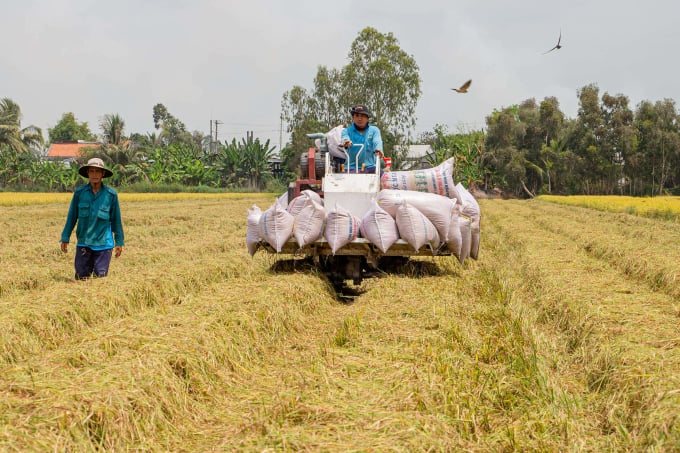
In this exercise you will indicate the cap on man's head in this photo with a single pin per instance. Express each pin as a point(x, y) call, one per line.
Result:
point(360, 110)
point(95, 162)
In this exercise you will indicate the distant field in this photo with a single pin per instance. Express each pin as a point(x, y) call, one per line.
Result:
point(562, 337)
point(654, 207)
point(29, 198)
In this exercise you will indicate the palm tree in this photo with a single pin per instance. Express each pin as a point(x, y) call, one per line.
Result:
point(12, 137)
point(255, 160)
point(112, 127)
point(17, 145)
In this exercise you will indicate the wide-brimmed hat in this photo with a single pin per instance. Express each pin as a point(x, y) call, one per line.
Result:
point(361, 110)
point(95, 162)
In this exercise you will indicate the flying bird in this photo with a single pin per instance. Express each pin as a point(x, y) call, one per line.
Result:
point(463, 88)
point(557, 46)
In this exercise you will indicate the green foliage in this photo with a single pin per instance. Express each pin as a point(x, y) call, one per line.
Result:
point(527, 148)
point(68, 129)
point(383, 76)
point(147, 187)
point(113, 129)
point(379, 74)
point(13, 139)
point(172, 130)
point(466, 147)
point(243, 163)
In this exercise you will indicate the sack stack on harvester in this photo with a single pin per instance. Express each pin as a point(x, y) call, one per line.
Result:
point(357, 221)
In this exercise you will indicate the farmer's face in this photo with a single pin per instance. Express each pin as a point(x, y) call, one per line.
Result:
point(95, 174)
point(360, 119)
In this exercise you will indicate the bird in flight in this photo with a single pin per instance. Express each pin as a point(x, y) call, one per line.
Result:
point(464, 87)
point(557, 46)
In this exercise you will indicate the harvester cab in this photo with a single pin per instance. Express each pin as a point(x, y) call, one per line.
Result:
point(354, 190)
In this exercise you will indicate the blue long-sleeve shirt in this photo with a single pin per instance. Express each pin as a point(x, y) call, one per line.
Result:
point(98, 218)
point(372, 141)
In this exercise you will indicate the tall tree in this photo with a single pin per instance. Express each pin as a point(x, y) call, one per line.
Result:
point(113, 129)
point(651, 167)
point(13, 137)
point(383, 76)
point(173, 131)
point(551, 120)
point(18, 146)
point(379, 74)
point(587, 140)
point(618, 140)
point(68, 129)
point(326, 103)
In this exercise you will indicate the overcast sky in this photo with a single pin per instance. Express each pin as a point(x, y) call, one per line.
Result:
point(232, 60)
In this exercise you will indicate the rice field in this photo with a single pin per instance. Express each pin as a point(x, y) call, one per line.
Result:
point(655, 207)
point(563, 336)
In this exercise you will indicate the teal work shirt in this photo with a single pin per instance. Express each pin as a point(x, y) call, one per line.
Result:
point(371, 140)
point(100, 226)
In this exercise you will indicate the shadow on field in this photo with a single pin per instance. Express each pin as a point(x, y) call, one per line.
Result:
point(340, 291)
point(406, 267)
point(346, 293)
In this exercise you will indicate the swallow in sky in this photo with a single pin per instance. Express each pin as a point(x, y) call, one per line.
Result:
point(557, 46)
point(463, 88)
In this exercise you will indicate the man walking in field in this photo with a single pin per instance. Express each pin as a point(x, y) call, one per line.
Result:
point(94, 207)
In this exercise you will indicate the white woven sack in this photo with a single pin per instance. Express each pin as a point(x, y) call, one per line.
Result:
point(309, 223)
point(438, 180)
point(454, 240)
point(437, 208)
point(475, 234)
point(276, 226)
point(415, 228)
point(333, 141)
point(470, 208)
point(379, 227)
point(342, 228)
point(283, 200)
point(253, 231)
point(466, 236)
point(302, 200)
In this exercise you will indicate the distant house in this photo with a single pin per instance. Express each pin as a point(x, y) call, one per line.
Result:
point(417, 157)
point(68, 152)
point(275, 166)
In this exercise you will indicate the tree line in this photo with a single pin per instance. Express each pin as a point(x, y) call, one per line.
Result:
point(526, 149)
point(609, 148)
point(171, 158)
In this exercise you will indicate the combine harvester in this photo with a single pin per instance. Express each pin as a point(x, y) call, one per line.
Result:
point(353, 199)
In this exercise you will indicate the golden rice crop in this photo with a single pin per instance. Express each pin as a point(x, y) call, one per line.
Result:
point(30, 198)
point(666, 207)
point(562, 337)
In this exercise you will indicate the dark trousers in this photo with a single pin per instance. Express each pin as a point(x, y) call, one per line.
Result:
point(89, 262)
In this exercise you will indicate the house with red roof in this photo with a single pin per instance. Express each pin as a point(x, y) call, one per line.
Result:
point(69, 151)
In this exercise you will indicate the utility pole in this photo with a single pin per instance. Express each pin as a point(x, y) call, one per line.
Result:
point(212, 147)
point(217, 122)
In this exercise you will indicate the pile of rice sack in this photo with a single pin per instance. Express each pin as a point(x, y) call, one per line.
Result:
point(423, 207)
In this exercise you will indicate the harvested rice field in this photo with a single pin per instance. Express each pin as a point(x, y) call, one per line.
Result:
point(563, 336)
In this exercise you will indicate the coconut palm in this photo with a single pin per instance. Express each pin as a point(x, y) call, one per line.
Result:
point(112, 127)
point(12, 137)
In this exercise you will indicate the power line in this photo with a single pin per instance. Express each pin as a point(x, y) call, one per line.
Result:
point(214, 140)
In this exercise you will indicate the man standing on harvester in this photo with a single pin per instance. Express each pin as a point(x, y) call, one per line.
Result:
point(362, 133)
